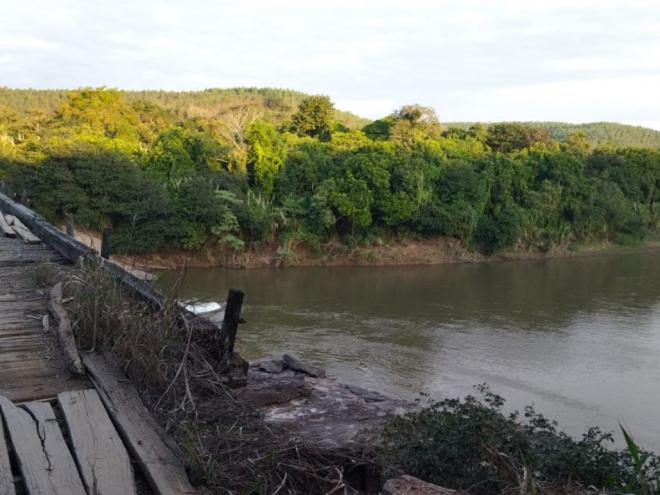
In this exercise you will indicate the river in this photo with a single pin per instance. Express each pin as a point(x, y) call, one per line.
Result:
point(578, 338)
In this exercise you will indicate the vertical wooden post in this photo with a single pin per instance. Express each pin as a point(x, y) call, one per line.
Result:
point(106, 241)
point(24, 196)
point(231, 320)
point(70, 225)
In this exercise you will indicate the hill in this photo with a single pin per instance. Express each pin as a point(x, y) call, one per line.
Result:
point(275, 105)
point(596, 132)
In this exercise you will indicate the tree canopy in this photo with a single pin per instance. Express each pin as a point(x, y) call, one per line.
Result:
point(230, 169)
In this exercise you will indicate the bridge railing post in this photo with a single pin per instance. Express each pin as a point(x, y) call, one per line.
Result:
point(106, 243)
point(69, 224)
point(231, 320)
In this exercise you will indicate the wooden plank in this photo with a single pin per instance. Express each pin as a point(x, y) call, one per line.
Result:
point(41, 452)
point(6, 477)
point(102, 458)
point(38, 388)
point(15, 222)
point(160, 465)
point(27, 236)
point(4, 226)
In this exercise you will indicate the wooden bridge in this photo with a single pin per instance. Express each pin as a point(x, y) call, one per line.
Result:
point(62, 434)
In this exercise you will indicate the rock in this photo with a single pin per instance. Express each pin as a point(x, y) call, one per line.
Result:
point(331, 416)
point(297, 365)
point(409, 485)
point(268, 390)
point(367, 395)
point(269, 365)
point(292, 397)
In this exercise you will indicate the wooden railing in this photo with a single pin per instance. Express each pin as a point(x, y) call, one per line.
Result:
point(73, 250)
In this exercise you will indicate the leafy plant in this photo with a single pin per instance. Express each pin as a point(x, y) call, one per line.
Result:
point(471, 444)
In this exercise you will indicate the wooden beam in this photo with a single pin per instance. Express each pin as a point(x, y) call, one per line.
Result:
point(102, 457)
point(41, 452)
point(6, 477)
point(65, 331)
point(141, 434)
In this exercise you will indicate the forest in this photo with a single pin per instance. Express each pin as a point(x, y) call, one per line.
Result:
point(240, 169)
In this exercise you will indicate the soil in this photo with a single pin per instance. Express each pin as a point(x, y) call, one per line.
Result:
point(431, 251)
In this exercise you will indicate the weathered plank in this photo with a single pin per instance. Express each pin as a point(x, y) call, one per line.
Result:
point(160, 465)
point(102, 458)
point(27, 236)
point(41, 388)
point(41, 452)
point(64, 331)
point(4, 226)
point(21, 230)
point(6, 478)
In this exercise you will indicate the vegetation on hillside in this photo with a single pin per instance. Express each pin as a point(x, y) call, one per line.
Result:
point(597, 133)
point(238, 171)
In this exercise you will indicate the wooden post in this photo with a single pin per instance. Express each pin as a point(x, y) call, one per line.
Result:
point(24, 196)
point(70, 226)
point(106, 245)
point(231, 320)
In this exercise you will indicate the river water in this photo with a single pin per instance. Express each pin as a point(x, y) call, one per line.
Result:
point(577, 338)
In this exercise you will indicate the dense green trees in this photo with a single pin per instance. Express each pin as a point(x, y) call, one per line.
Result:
point(313, 118)
point(246, 175)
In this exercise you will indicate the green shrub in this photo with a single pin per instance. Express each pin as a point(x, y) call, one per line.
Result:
point(471, 444)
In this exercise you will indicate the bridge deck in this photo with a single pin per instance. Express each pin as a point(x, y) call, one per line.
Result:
point(31, 363)
point(56, 435)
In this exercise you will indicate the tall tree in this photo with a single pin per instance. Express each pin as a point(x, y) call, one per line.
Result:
point(314, 118)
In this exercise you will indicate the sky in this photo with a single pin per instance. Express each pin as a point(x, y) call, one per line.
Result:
point(485, 60)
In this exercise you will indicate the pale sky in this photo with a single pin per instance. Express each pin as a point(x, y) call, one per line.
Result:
point(487, 60)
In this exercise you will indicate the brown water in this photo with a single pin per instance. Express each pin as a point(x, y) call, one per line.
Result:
point(579, 338)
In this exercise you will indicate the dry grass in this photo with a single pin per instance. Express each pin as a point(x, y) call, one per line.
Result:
point(45, 274)
point(227, 445)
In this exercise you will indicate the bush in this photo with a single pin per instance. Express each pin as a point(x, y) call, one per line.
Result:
point(471, 444)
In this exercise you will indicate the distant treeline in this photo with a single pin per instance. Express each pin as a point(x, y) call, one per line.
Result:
point(242, 168)
point(596, 132)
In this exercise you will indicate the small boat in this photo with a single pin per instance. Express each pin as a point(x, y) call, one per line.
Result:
point(202, 308)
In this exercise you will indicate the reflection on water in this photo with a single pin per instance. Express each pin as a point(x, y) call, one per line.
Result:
point(578, 338)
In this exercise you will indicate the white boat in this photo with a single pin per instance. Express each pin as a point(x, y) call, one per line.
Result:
point(202, 308)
